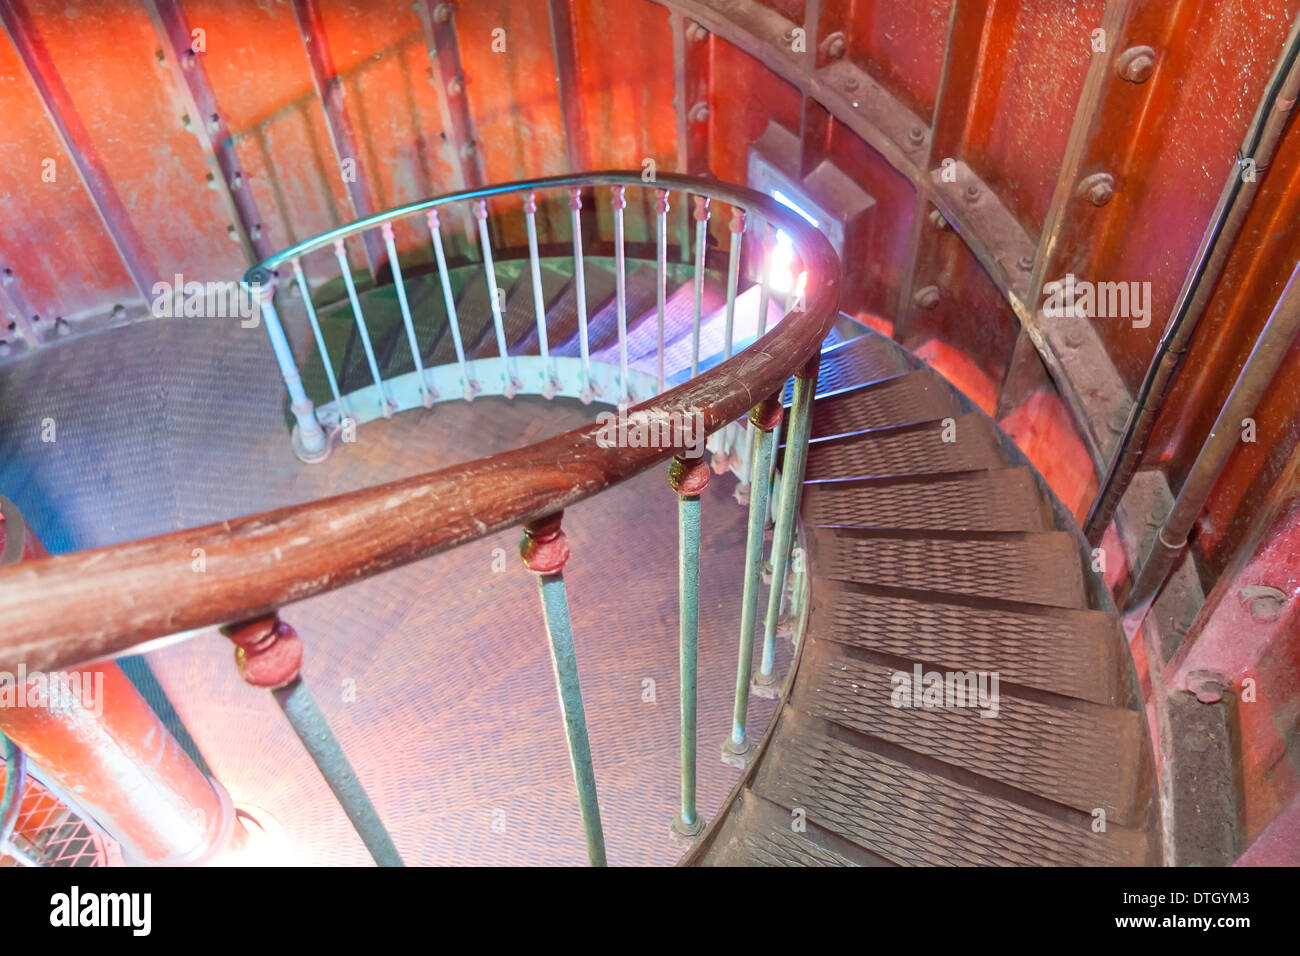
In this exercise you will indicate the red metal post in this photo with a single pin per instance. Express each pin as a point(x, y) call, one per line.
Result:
point(93, 735)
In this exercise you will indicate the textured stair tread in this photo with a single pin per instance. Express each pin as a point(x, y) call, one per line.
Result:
point(1066, 652)
point(759, 833)
point(473, 318)
point(908, 450)
point(1039, 568)
point(643, 334)
point(562, 316)
point(1003, 500)
point(520, 316)
point(602, 325)
point(911, 816)
point(517, 318)
point(1080, 755)
point(678, 352)
point(902, 400)
point(866, 358)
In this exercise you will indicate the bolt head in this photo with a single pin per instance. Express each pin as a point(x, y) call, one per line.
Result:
point(1098, 188)
point(1136, 64)
point(927, 298)
point(835, 46)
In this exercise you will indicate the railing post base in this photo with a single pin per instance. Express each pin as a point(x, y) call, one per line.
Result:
point(738, 755)
point(303, 449)
point(686, 834)
point(767, 686)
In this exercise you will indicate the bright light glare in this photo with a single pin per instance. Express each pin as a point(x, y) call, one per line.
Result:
point(779, 275)
point(789, 203)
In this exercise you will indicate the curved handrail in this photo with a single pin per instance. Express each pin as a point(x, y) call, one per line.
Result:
point(72, 608)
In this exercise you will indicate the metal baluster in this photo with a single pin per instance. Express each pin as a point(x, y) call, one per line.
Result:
point(737, 227)
point(427, 395)
point(661, 214)
point(620, 294)
point(688, 477)
point(549, 383)
point(510, 385)
point(339, 402)
point(545, 550)
point(589, 390)
point(386, 404)
point(796, 456)
point(701, 245)
point(765, 280)
point(269, 656)
point(764, 418)
point(309, 441)
point(471, 387)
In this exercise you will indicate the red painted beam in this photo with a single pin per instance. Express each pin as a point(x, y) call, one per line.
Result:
point(209, 123)
point(343, 135)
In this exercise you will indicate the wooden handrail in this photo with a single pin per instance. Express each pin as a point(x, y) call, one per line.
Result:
point(77, 607)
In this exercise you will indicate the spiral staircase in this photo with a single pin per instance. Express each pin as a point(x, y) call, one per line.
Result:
point(925, 543)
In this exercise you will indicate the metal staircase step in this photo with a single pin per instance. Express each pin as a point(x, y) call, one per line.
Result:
point(602, 327)
point(1042, 568)
point(902, 400)
point(1065, 652)
point(910, 812)
point(643, 336)
point(964, 443)
point(867, 358)
point(518, 317)
point(1079, 754)
point(760, 833)
point(562, 315)
point(1003, 500)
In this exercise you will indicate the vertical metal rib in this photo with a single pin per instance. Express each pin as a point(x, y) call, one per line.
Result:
point(490, 273)
point(453, 321)
point(737, 228)
point(314, 731)
point(539, 300)
point(661, 285)
point(426, 396)
point(580, 284)
point(339, 402)
point(701, 245)
point(620, 286)
point(341, 254)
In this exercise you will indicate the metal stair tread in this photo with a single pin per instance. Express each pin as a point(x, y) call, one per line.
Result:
point(1005, 499)
point(964, 443)
point(1063, 651)
point(1039, 568)
point(911, 815)
point(1081, 755)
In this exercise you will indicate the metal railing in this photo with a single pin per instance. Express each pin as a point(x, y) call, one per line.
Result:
point(64, 610)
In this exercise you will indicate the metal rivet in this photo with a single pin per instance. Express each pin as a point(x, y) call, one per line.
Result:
point(835, 46)
point(1136, 64)
point(916, 135)
point(972, 193)
point(927, 298)
point(1097, 188)
point(1025, 263)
